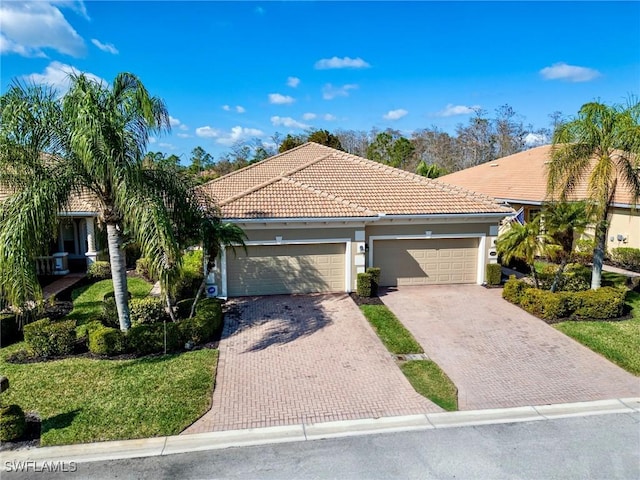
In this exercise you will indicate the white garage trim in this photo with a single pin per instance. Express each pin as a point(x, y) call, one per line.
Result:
point(482, 237)
point(347, 254)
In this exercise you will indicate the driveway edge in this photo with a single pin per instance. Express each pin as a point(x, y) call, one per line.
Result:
point(160, 446)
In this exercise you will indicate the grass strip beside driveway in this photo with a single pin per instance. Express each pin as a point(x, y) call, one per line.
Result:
point(392, 333)
point(425, 376)
point(430, 381)
point(85, 400)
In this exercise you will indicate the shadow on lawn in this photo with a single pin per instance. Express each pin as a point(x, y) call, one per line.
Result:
point(60, 421)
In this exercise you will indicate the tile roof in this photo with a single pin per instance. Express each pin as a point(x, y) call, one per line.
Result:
point(520, 177)
point(83, 202)
point(317, 181)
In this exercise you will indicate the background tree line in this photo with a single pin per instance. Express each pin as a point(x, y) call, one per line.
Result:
point(430, 151)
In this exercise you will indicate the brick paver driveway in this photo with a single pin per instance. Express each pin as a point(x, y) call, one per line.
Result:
point(500, 356)
point(303, 359)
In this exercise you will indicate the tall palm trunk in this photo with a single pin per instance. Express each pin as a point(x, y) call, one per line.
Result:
point(598, 253)
point(119, 276)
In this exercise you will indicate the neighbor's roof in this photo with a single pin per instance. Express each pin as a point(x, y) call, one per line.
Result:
point(521, 177)
point(83, 202)
point(317, 181)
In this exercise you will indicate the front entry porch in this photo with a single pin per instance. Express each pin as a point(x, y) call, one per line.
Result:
point(74, 250)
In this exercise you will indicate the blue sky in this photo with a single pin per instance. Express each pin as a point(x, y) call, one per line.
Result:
point(232, 71)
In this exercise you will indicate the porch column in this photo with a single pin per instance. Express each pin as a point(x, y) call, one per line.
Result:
point(91, 254)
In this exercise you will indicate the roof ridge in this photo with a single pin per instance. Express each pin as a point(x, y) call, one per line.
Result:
point(253, 165)
point(271, 181)
point(418, 178)
point(329, 196)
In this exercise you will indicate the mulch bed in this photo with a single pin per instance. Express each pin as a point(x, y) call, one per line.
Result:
point(365, 300)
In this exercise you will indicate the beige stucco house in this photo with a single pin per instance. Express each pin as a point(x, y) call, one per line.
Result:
point(315, 217)
point(75, 246)
point(520, 180)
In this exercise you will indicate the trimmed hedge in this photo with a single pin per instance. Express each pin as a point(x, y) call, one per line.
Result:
point(364, 286)
point(183, 307)
point(106, 341)
point(147, 310)
point(494, 274)
point(375, 279)
point(626, 257)
point(12, 423)
point(603, 304)
point(9, 331)
point(110, 311)
point(146, 339)
point(207, 321)
point(49, 339)
point(99, 271)
point(143, 269)
point(83, 331)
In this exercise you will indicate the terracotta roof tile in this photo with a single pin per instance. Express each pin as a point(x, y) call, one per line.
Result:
point(520, 177)
point(317, 181)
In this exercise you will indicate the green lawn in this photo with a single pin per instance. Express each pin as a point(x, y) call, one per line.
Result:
point(87, 300)
point(83, 400)
point(617, 341)
point(393, 334)
point(431, 382)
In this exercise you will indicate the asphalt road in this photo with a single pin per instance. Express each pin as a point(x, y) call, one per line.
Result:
point(592, 447)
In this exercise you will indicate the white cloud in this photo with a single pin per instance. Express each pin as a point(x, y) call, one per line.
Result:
point(395, 114)
point(184, 135)
point(571, 73)
point(329, 92)
point(168, 146)
point(29, 27)
point(287, 122)
point(58, 76)
point(105, 47)
point(238, 134)
point(152, 140)
point(345, 62)
point(279, 99)
point(451, 110)
point(328, 117)
point(208, 132)
point(293, 82)
point(535, 139)
point(237, 108)
point(174, 122)
point(309, 116)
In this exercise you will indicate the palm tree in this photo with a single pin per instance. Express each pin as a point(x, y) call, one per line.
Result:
point(602, 144)
point(563, 222)
point(94, 138)
point(523, 242)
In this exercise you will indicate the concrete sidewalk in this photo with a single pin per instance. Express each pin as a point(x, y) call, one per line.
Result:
point(160, 446)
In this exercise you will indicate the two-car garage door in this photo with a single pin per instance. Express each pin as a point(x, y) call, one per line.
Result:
point(291, 268)
point(426, 261)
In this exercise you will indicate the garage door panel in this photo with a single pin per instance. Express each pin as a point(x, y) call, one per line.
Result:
point(428, 261)
point(280, 269)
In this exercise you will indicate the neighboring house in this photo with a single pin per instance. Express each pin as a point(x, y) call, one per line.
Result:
point(75, 246)
point(521, 181)
point(316, 217)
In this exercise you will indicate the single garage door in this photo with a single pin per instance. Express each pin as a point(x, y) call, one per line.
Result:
point(426, 262)
point(277, 269)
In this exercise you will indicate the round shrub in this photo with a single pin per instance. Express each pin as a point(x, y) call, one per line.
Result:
point(183, 307)
point(106, 341)
point(514, 289)
point(575, 278)
point(82, 331)
point(207, 321)
point(146, 339)
point(147, 310)
point(604, 303)
point(12, 423)
point(99, 271)
point(49, 339)
point(545, 304)
point(110, 311)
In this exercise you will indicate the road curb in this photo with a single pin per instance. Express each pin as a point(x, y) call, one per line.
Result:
point(159, 446)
